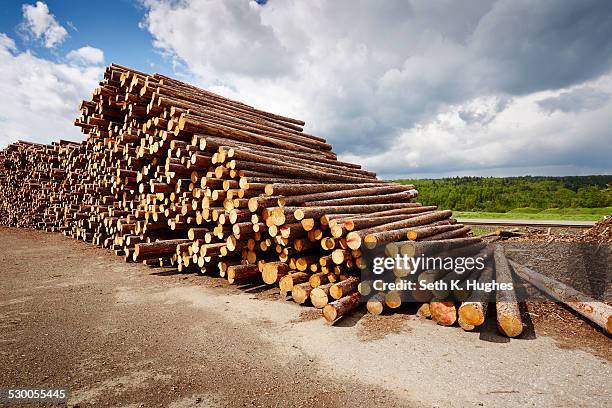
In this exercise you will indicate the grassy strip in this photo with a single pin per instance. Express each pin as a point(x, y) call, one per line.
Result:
point(530, 216)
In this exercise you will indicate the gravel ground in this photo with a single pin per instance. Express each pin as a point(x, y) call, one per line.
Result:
point(73, 315)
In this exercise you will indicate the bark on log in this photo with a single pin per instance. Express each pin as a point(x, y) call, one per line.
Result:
point(509, 319)
point(341, 307)
point(595, 311)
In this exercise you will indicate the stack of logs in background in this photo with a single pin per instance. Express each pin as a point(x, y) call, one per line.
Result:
point(173, 175)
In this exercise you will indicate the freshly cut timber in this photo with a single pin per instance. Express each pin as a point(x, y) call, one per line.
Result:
point(344, 287)
point(473, 311)
point(340, 307)
point(319, 296)
point(443, 312)
point(176, 176)
point(597, 312)
point(509, 319)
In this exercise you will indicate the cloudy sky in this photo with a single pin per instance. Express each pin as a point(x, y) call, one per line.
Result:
point(407, 88)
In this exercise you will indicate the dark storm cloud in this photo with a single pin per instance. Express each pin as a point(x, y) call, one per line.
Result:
point(534, 46)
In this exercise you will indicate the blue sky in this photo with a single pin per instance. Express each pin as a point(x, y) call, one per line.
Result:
point(112, 26)
point(408, 88)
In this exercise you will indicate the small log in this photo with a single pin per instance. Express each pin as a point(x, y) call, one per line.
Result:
point(273, 271)
point(301, 292)
point(242, 272)
point(473, 311)
point(344, 288)
point(319, 296)
point(393, 299)
point(364, 287)
point(287, 282)
point(318, 279)
point(340, 307)
point(442, 312)
point(376, 304)
point(424, 311)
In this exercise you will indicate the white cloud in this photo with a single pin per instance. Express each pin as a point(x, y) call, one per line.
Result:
point(41, 97)
point(518, 140)
point(237, 51)
point(428, 81)
point(86, 56)
point(7, 43)
point(42, 25)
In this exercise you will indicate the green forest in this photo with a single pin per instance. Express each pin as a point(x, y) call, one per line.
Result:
point(527, 194)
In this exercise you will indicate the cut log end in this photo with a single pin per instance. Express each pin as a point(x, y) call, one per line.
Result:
point(509, 325)
point(340, 307)
point(318, 298)
point(365, 288)
point(465, 326)
point(443, 313)
point(330, 313)
point(424, 311)
point(393, 299)
point(353, 240)
point(376, 304)
point(472, 314)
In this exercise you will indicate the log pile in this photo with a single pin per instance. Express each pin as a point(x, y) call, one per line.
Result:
point(173, 175)
point(31, 178)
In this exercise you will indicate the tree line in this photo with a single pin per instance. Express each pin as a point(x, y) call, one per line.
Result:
point(502, 194)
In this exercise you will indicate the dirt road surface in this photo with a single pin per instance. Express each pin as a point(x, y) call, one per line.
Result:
point(115, 334)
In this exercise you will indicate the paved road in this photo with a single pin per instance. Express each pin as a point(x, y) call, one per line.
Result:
point(526, 223)
point(116, 334)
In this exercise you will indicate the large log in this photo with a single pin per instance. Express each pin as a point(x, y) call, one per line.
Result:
point(509, 319)
point(595, 311)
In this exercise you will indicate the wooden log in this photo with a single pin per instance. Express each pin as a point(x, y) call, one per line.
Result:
point(376, 304)
point(421, 233)
point(393, 299)
point(424, 311)
point(298, 194)
point(238, 273)
point(319, 296)
point(273, 271)
point(293, 278)
point(393, 231)
point(414, 249)
point(157, 249)
point(317, 212)
point(365, 287)
point(344, 287)
point(301, 292)
point(364, 200)
point(509, 319)
point(364, 222)
point(334, 310)
point(593, 310)
point(318, 279)
point(473, 311)
point(443, 312)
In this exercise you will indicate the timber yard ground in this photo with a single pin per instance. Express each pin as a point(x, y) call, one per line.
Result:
point(116, 334)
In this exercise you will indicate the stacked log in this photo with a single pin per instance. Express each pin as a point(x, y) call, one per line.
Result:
point(30, 184)
point(173, 175)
